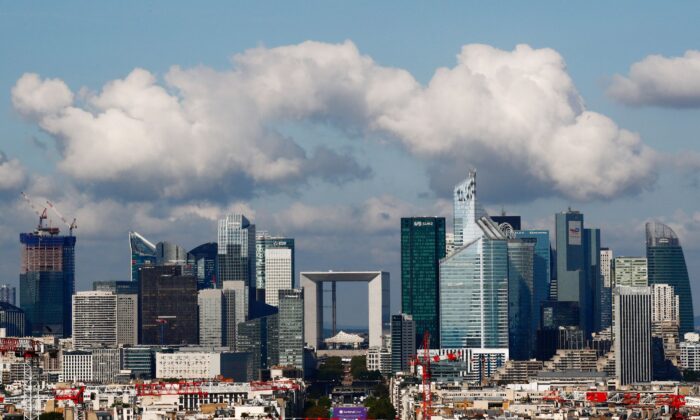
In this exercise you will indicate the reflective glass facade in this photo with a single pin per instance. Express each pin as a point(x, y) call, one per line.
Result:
point(143, 253)
point(291, 328)
point(541, 270)
point(666, 265)
point(236, 250)
point(521, 298)
point(203, 259)
point(422, 247)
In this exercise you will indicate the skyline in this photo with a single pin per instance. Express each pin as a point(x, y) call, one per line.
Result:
point(360, 166)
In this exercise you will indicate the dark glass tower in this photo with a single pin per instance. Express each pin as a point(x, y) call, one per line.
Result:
point(47, 281)
point(666, 264)
point(143, 253)
point(521, 297)
point(204, 261)
point(422, 247)
point(541, 271)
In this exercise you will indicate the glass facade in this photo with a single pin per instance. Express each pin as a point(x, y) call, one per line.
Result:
point(143, 253)
point(260, 338)
point(12, 319)
point(403, 342)
point(236, 251)
point(203, 260)
point(422, 247)
point(541, 271)
point(291, 328)
point(666, 265)
point(264, 241)
point(521, 298)
point(139, 360)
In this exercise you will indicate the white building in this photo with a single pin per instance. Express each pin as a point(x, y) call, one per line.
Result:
point(379, 358)
point(91, 366)
point(278, 273)
point(690, 352)
point(104, 319)
point(76, 366)
point(606, 259)
point(664, 303)
point(210, 317)
point(188, 365)
point(632, 326)
point(631, 271)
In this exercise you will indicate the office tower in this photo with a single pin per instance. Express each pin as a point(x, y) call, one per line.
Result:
point(606, 278)
point(168, 253)
point(118, 287)
point(578, 268)
point(403, 342)
point(521, 299)
point(143, 253)
point(263, 242)
point(236, 251)
point(474, 278)
point(104, 319)
point(203, 259)
point(260, 338)
point(291, 328)
point(666, 265)
point(633, 354)
point(13, 320)
point(449, 243)
point(554, 315)
point(167, 306)
point(235, 310)
point(507, 223)
point(139, 360)
point(422, 248)
point(665, 303)
point(278, 273)
point(47, 281)
point(211, 312)
point(630, 271)
point(541, 271)
point(7, 294)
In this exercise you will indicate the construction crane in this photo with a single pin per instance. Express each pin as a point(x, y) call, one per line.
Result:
point(165, 388)
point(24, 347)
point(43, 215)
point(71, 225)
point(70, 394)
point(424, 362)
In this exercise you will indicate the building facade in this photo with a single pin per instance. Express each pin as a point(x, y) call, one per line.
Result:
point(630, 271)
point(260, 338)
point(211, 312)
point(236, 250)
point(118, 287)
point(278, 273)
point(541, 270)
point(263, 242)
point(143, 253)
point(8, 294)
point(203, 260)
point(403, 342)
point(606, 277)
point(422, 248)
point(13, 320)
point(521, 299)
point(291, 328)
point(632, 328)
point(104, 319)
point(235, 310)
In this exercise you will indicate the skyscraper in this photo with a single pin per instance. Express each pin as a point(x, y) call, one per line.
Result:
point(210, 303)
point(521, 299)
point(422, 248)
point(474, 278)
point(260, 338)
point(104, 319)
point(203, 258)
point(541, 271)
point(263, 242)
point(143, 253)
point(403, 342)
point(665, 303)
point(168, 253)
point(236, 251)
point(278, 273)
point(630, 271)
point(291, 328)
point(235, 310)
point(47, 281)
point(632, 344)
point(606, 277)
point(8, 294)
point(13, 320)
point(666, 265)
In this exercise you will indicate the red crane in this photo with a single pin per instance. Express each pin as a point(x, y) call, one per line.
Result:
point(165, 388)
point(424, 363)
point(26, 347)
point(70, 394)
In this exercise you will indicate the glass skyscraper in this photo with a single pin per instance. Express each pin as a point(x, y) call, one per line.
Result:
point(291, 328)
point(236, 251)
point(143, 253)
point(422, 247)
point(47, 281)
point(474, 278)
point(203, 260)
point(666, 265)
point(521, 298)
point(541, 271)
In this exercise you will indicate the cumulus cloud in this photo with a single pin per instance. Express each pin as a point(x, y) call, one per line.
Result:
point(12, 173)
point(201, 128)
point(660, 81)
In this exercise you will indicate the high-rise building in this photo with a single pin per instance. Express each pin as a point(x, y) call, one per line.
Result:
point(263, 242)
point(143, 253)
point(104, 319)
point(47, 281)
point(211, 312)
point(260, 338)
point(630, 271)
point(8, 294)
point(633, 344)
point(521, 299)
point(291, 328)
point(168, 253)
point(278, 273)
point(118, 287)
point(235, 310)
point(13, 320)
point(541, 271)
point(203, 259)
point(236, 251)
point(474, 278)
point(578, 268)
point(167, 306)
point(422, 248)
point(403, 342)
point(665, 303)
point(507, 223)
point(666, 265)
point(606, 276)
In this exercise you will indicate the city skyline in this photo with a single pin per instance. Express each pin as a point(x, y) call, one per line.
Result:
point(344, 207)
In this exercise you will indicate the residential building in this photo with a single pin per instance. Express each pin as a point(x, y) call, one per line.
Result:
point(143, 253)
point(13, 320)
point(291, 327)
point(665, 303)
point(403, 342)
point(211, 312)
point(632, 331)
point(521, 299)
point(666, 265)
point(422, 248)
point(278, 273)
point(263, 242)
point(8, 294)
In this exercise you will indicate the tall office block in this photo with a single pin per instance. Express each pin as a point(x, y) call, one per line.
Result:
point(606, 278)
point(168, 253)
point(630, 271)
point(118, 287)
point(104, 319)
point(143, 253)
point(260, 338)
point(47, 281)
point(203, 260)
point(263, 242)
point(235, 310)
point(211, 312)
point(127, 319)
point(167, 306)
point(541, 271)
point(521, 299)
point(666, 265)
point(236, 251)
point(592, 264)
point(422, 248)
point(474, 278)
point(665, 303)
point(278, 273)
point(291, 328)
point(403, 342)
point(8, 294)
point(633, 351)
point(13, 320)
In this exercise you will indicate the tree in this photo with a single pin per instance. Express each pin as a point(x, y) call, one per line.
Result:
point(324, 402)
point(315, 411)
point(381, 409)
point(51, 416)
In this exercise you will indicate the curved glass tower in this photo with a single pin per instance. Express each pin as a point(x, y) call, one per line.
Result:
point(666, 265)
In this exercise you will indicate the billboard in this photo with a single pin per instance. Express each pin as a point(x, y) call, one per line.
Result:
point(349, 413)
point(574, 233)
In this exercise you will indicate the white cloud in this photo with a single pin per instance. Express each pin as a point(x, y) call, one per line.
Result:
point(202, 129)
point(12, 173)
point(660, 81)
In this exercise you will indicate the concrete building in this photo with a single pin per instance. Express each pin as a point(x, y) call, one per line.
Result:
point(606, 275)
point(403, 342)
point(235, 310)
point(291, 326)
point(127, 319)
point(278, 273)
point(377, 296)
point(188, 365)
point(104, 319)
point(665, 303)
point(210, 303)
point(633, 344)
point(379, 359)
point(90, 366)
point(631, 271)
point(690, 352)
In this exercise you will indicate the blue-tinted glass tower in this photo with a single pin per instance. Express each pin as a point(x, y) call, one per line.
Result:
point(203, 259)
point(541, 271)
point(521, 298)
point(143, 253)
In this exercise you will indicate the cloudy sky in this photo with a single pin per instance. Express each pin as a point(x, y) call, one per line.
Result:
point(330, 122)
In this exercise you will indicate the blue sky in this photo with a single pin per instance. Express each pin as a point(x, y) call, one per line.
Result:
point(87, 45)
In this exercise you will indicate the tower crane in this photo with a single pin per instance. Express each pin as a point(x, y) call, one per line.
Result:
point(71, 225)
point(424, 362)
point(43, 215)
